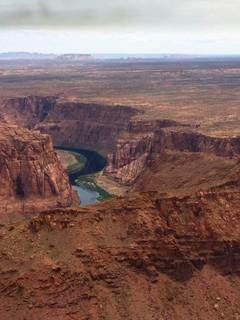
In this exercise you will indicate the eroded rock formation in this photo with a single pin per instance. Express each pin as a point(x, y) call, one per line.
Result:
point(32, 177)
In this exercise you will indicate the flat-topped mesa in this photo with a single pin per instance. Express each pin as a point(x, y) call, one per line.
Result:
point(144, 140)
point(32, 177)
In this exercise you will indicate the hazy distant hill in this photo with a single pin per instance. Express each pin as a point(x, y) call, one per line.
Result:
point(26, 56)
point(43, 56)
point(75, 57)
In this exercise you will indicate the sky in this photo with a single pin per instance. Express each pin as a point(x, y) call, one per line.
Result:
point(126, 26)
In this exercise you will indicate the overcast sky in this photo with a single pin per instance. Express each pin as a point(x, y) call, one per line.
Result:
point(134, 26)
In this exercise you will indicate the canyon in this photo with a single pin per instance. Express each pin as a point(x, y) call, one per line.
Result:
point(70, 124)
point(167, 246)
point(121, 133)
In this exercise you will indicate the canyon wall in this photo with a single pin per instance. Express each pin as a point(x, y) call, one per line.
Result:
point(88, 126)
point(70, 124)
point(27, 111)
point(32, 177)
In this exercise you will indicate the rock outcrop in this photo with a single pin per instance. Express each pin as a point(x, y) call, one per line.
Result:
point(32, 177)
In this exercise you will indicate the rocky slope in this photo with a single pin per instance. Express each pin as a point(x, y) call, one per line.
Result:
point(145, 256)
point(182, 173)
point(32, 177)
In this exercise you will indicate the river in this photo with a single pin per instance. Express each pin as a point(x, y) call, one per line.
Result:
point(86, 195)
point(83, 177)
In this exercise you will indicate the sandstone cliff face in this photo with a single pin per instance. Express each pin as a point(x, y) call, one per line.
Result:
point(187, 140)
point(27, 111)
point(141, 257)
point(130, 158)
point(31, 174)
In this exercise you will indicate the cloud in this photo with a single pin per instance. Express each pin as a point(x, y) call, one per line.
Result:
point(158, 14)
point(78, 41)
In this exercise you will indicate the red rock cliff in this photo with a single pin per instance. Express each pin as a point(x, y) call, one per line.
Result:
point(86, 125)
point(32, 177)
point(27, 111)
